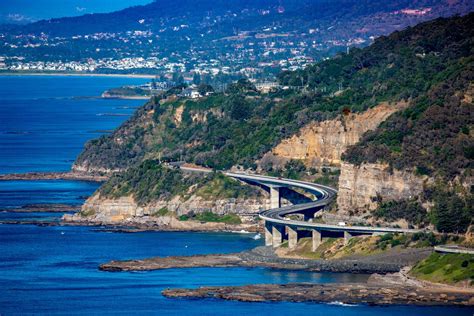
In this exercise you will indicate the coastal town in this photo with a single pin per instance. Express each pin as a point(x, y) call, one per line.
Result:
point(261, 51)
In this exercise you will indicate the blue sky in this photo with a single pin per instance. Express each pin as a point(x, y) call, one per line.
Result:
point(22, 11)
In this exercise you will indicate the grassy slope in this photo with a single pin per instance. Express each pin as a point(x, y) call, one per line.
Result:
point(334, 248)
point(446, 268)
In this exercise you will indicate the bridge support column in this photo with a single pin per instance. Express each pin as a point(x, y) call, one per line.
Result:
point(292, 237)
point(347, 236)
point(274, 197)
point(277, 235)
point(268, 234)
point(317, 240)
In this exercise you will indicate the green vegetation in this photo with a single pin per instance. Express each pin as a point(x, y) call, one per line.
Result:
point(221, 187)
point(87, 213)
point(328, 177)
point(417, 240)
point(429, 136)
point(334, 248)
point(242, 125)
point(147, 182)
point(163, 212)
point(152, 181)
point(451, 213)
point(411, 211)
point(452, 210)
point(446, 268)
point(207, 216)
point(293, 169)
point(128, 92)
point(430, 66)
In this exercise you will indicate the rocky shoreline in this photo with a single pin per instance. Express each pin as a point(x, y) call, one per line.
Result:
point(265, 257)
point(160, 223)
point(367, 294)
point(29, 176)
point(41, 208)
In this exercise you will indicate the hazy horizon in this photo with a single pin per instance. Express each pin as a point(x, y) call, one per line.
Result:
point(25, 11)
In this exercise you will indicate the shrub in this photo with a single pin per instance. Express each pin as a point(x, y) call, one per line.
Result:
point(411, 211)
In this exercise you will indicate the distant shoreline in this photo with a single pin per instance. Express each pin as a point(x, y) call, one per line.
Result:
point(73, 74)
point(66, 175)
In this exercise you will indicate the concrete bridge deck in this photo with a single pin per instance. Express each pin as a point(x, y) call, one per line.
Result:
point(279, 227)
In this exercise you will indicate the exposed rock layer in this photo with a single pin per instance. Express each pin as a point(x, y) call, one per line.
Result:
point(328, 293)
point(266, 257)
point(324, 142)
point(124, 210)
point(360, 187)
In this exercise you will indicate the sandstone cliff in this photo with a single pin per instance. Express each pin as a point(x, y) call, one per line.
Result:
point(164, 214)
point(125, 211)
point(118, 209)
point(323, 143)
point(360, 187)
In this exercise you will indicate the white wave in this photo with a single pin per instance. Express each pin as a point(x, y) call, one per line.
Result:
point(341, 304)
point(240, 231)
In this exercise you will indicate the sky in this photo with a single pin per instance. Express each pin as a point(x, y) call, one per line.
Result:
point(24, 11)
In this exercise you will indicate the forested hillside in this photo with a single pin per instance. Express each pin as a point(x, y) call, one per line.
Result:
point(241, 125)
point(428, 66)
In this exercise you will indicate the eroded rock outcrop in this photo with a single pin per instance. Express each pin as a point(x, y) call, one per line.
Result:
point(324, 142)
point(361, 187)
point(125, 210)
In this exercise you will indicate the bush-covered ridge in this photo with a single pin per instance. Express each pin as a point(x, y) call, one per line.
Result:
point(433, 136)
point(151, 181)
point(241, 126)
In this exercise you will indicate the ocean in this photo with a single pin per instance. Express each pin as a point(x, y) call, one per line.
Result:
point(44, 123)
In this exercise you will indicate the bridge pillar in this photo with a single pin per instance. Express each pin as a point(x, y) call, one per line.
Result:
point(347, 236)
point(277, 235)
point(274, 197)
point(292, 237)
point(268, 234)
point(317, 240)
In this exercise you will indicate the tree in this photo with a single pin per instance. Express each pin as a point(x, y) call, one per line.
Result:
point(205, 88)
point(239, 108)
point(196, 78)
point(293, 168)
point(241, 86)
point(450, 213)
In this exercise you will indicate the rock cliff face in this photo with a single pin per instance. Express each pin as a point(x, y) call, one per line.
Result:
point(361, 186)
point(125, 211)
point(123, 207)
point(324, 142)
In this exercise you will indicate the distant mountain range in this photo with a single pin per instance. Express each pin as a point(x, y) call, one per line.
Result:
point(233, 32)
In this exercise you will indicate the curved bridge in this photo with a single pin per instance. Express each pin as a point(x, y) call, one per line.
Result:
point(278, 227)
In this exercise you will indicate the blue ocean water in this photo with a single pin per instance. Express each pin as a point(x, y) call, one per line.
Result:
point(54, 270)
point(45, 121)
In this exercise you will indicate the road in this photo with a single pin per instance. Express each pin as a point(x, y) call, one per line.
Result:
point(325, 195)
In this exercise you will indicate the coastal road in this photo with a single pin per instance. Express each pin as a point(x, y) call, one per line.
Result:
point(278, 224)
point(324, 195)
